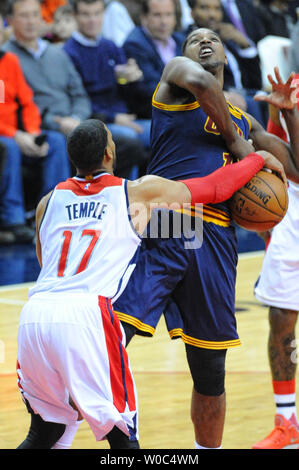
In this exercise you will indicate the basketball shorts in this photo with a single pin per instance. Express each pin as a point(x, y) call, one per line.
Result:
point(72, 345)
point(191, 283)
point(278, 283)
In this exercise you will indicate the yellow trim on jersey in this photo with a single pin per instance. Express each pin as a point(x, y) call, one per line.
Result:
point(199, 343)
point(137, 323)
point(174, 107)
point(238, 113)
point(208, 214)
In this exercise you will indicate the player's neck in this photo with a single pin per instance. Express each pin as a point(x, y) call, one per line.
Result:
point(91, 174)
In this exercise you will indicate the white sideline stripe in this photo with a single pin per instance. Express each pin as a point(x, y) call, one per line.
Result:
point(12, 301)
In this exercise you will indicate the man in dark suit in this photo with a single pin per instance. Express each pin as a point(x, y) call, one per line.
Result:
point(244, 16)
point(152, 45)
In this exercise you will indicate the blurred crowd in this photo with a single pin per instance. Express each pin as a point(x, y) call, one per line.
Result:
point(64, 61)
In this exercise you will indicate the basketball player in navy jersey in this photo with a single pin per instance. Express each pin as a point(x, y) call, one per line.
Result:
point(195, 288)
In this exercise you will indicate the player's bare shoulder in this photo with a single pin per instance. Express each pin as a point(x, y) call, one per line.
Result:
point(169, 90)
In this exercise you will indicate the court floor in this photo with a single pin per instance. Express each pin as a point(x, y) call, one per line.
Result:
point(162, 377)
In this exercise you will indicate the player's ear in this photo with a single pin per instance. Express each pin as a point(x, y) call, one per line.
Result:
point(225, 60)
point(108, 155)
point(108, 159)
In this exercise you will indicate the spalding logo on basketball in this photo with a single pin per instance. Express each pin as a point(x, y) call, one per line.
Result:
point(261, 203)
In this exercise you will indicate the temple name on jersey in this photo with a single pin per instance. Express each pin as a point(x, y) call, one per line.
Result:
point(87, 209)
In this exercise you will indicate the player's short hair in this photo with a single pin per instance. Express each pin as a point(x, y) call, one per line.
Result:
point(89, 2)
point(86, 144)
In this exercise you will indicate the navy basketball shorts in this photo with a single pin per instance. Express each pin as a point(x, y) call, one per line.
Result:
point(191, 283)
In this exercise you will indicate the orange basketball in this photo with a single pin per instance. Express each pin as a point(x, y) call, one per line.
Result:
point(261, 203)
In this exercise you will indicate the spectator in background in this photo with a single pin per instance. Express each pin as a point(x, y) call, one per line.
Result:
point(244, 16)
point(119, 20)
point(57, 86)
point(121, 17)
point(152, 45)
point(64, 24)
point(275, 17)
point(292, 9)
point(242, 75)
point(19, 126)
point(49, 7)
point(107, 75)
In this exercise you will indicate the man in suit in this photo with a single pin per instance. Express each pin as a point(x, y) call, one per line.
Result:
point(244, 17)
point(152, 45)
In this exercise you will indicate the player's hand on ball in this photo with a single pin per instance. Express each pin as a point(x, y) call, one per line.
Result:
point(273, 164)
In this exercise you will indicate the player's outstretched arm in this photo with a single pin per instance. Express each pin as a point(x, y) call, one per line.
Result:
point(151, 191)
point(186, 74)
point(262, 140)
point(283, 97)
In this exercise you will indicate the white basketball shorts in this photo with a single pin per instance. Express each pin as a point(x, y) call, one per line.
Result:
point(278, 284)
point(72, 345)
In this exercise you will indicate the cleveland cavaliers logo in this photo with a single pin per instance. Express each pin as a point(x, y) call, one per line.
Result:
point(211, 127)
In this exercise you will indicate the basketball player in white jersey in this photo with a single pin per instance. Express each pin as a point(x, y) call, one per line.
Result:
point(278, 287)
point(72, 363)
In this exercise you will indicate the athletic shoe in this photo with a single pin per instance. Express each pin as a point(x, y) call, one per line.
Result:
point(285, 435)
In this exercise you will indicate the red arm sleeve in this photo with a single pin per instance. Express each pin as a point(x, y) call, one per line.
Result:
point(224, 182)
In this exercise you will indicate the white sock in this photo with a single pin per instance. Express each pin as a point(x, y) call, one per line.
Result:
point(286, 405)
point(198, 446)
point(67, 437)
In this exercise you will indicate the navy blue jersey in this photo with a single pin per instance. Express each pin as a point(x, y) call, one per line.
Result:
point(185, 142)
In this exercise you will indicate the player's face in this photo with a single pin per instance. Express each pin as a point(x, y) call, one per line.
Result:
point(89, 18)
point(205, 47)
point(207, 14)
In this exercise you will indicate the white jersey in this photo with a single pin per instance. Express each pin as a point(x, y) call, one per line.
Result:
point(70, 341)
point(88, 244)
point(278, 282)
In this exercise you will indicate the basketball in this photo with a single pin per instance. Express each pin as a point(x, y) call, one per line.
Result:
point(261, 203)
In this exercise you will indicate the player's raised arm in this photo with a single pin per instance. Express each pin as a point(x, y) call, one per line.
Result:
point(282, 97)
point(188, 74)
point(191, 76)
point(153, 191)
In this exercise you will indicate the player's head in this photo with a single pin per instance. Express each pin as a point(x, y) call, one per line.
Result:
point(205, 47)
point(90, 147)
